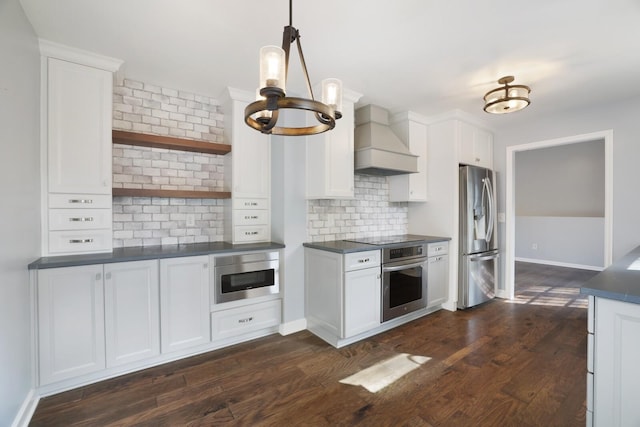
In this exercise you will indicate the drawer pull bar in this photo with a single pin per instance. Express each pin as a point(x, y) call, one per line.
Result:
point(362, 260)
point(81, 241)
point(85, 201)
point(81, 219)
point(245, 320)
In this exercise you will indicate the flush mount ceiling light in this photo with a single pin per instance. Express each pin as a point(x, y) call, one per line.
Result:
point(506, 99)
point(262, 114)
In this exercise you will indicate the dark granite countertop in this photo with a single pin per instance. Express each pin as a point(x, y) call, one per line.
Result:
point(140, 253)
point(349, 246)
point(620, 281)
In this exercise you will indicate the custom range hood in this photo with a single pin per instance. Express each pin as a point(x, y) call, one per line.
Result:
point(378, 151)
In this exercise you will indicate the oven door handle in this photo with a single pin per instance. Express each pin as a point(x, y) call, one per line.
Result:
point(402, 267)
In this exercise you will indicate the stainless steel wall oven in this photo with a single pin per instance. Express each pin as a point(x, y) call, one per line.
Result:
point(246, 276)
point(404, 280)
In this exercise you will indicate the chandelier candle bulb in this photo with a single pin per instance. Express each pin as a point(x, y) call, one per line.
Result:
point(332, 94)
point(272, 67)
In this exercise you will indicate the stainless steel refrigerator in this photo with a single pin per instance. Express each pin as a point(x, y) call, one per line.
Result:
point(478, 259)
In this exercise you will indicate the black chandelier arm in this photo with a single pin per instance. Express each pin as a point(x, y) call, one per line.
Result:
point(304, 67)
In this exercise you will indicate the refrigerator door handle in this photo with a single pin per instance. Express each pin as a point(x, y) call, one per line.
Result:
point(484, 257)
point(491, 209)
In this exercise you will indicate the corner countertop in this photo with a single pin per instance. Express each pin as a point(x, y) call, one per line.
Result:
point(348, 246)
point(139, 253)
point(620, 281)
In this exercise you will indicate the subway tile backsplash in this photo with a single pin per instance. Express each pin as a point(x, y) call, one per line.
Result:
point(145, 221)
point(369, 214)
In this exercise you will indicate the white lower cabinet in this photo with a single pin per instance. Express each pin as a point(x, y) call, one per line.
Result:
point(132, 311)
point(184, 302)
point(616, 352)
point(343, 294)
point(437, 274)
point(70, 322)
point(246, 319)
point(361, 301)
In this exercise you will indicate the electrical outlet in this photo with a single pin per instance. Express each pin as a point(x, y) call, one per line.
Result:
point(534, 246)
point(191, 220)
point(501, 217)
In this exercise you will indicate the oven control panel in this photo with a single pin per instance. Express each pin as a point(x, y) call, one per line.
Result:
point(404, 252)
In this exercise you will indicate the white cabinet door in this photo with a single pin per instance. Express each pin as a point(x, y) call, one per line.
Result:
point(476, 146)
point(437, 280)
point(132, 311)
point(70, 322)
point(616, 369)
point(79, 100)
point(184, 302)
point(362, 296)
point(329, 160)
point(410, 187)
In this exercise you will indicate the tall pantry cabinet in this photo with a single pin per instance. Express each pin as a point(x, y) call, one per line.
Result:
point(76, 109)
point(247, 174)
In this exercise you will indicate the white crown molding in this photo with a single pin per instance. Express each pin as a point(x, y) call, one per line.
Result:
point(79, 56)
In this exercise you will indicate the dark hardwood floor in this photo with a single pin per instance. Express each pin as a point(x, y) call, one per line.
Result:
point(518, 363)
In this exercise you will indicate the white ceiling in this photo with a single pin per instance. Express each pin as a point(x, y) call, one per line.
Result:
point(425, 56)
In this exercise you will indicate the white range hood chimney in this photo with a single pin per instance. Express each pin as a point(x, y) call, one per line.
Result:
point(378, 151)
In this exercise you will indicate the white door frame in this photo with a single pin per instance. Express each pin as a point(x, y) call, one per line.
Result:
point(607, 136)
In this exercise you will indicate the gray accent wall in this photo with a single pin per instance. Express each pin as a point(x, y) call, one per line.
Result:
point(20, 209)
point(567, 180)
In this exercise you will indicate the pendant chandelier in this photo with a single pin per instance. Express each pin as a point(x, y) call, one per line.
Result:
point(271, 96)
point(508, 98)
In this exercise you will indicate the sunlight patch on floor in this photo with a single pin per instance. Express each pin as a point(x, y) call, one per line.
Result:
point(380, 375)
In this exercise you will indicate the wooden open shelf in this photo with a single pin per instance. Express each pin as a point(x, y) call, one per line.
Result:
point(168, 142)
point(181, 194)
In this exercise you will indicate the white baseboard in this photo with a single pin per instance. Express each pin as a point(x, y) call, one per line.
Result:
point(560, 264)
point(293, 327)
point(23, 417)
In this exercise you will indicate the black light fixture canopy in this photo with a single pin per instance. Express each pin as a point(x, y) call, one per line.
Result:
point(262, 114)
point(508, 98)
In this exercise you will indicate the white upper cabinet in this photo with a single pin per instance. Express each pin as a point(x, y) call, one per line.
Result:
point(248, 165)
point(77, 93)
point(247, 174)
point(329, 156)
point(79, 128)
point(411, 128)
point(476, 146)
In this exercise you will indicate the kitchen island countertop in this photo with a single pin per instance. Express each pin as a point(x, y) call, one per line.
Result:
point(620, 281)
point(139, 253)
point(349, 246)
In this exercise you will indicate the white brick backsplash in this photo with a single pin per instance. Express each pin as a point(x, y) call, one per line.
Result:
point(369, 214)
point(145, 221)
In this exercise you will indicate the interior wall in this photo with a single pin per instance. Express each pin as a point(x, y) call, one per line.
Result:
point(19, 211)
point(567, 180)
point(621, 117)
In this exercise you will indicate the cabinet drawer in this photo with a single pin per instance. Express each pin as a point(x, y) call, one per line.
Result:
point(80, 241)
point(360, 260)
point(80, 201)
point(258, 233)
point(434, 249)
point(242, 320)
point(251, 217)
point(79, 219)
point(250, 203)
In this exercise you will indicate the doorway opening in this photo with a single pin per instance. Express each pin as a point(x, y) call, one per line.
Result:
point(510, 217)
